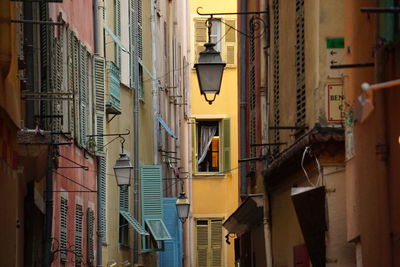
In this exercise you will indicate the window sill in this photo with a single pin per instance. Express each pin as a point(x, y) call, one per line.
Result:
point(208, 175)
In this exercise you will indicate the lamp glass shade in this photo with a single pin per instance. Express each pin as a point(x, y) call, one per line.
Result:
point(182, 207)
point(209, 69)
point(123, 169)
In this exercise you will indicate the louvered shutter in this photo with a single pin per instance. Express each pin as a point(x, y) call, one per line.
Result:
point(102, 195)
point(216, 243)
point(202, 243)
point(70, 81)
point(99, 82)
point(230, 41)
point(63, 228)
point(83, 94)
point(200, 31)
point(78, 233)
point(194, 146)
point(140, 28)
point(276, 74)
point(123, 224)
point(90, 241)
point(117, 17)
point(172, 254)
point(151, 192)
point(226, 150)
point(300, 65)
point(76, 81)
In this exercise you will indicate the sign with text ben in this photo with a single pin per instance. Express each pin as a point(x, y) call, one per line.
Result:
point(335, 102)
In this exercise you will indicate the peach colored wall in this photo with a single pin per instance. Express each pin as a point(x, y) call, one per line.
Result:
point(79, 15)
point(366, 175)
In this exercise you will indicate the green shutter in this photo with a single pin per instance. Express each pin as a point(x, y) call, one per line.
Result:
point(151, 192)
point(124, 198)
point(216, 243)
point(76, 81)
point(102, 195)
point(226, 150)
point(63, 228)
point(202, 244)
point(140, 28)
point(194, 146)
point(117, 17)
point(78, 233)
point(90, 240)
point(99, 83)
point(83, 94)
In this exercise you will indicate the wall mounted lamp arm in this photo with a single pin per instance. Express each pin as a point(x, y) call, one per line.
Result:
point(117, 135)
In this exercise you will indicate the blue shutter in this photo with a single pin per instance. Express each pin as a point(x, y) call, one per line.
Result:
point(151, 192)
point(172, 255)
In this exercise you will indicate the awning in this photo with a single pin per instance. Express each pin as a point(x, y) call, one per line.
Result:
point(132, 221)
point(158, 229)
point(166, 128)
point(310, 206)
point(247, 215)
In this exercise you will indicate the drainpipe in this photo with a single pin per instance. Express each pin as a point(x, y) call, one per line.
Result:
point(136, 175)
point(265, 81)
point(155, 91)
point(242, 99)
point(99, 250)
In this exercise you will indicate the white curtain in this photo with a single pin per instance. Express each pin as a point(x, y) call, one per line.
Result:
point(206, 135)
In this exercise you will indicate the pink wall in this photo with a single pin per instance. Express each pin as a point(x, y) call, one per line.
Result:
point(79, 15)
point(86, 199)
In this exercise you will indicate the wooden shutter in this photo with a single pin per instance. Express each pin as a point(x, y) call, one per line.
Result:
point(76, 80)
point(117, 17)
point(230, 41)
point(200, 31)
point(216, 243)
point(202, 243)
point(90, 240)
point(102, 195)
point(124, 198)
point(83, 94)
point(300, 65)
point(226, 142)
point(194, 146)
point(99, 83)
point(70, 81)
point(140, 28)
point(78, 233)
point(276, 74)
point(151, 192)
point(63, 228)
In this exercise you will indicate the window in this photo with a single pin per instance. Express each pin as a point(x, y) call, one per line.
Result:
point(208, 242)
point(212, 146)
point(90, 239)
point(222, 34)
point(208, 146)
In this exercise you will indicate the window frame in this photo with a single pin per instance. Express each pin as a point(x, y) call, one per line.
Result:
point(224, 131)
point(218, 122)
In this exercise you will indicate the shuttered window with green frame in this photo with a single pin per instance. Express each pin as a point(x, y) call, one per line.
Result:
point(83, 94)
point(224, 147)
point(152, 206)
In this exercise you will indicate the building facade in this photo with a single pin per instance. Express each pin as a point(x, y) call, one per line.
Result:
point(214, 141)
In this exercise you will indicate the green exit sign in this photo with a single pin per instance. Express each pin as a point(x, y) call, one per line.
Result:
point(333, 43)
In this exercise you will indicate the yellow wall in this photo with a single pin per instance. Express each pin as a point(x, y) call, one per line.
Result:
point(216, 196)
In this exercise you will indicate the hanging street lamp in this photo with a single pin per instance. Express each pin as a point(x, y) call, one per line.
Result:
point(209, 68)
point(182, 207)
point(123, 170)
